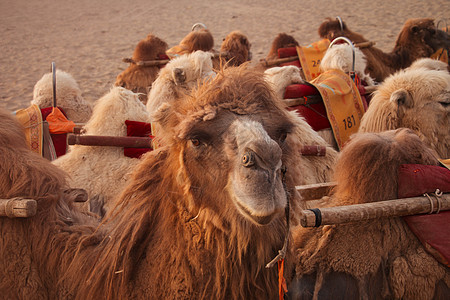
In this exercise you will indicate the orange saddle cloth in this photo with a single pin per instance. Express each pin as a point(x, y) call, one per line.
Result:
point(310, 57)
point(343, 103)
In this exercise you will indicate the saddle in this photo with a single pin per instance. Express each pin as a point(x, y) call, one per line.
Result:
point(432, 230)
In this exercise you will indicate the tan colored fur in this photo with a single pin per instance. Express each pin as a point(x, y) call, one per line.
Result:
point(416, 98)
point(103, 170)
point(68, 96)
point(372, 259)
point(177, 232)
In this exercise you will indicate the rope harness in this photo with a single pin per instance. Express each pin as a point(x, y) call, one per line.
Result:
point(282, 286)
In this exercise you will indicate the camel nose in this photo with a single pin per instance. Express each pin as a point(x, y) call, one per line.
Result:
point(263, 154)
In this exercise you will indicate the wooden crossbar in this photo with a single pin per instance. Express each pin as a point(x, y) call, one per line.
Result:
point(368, 211)
point(18, 207)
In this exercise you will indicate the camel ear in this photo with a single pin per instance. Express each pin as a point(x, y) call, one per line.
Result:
point(179, 76)
point(402, 99)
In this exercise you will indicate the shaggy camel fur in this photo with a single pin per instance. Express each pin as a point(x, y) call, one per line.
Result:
point(139, 78)
point(187, 226)
point(340, 57)
point(179, 76)
point(282, 40)
point(31, 262)
point(316, 169)
point(199, 38)
point(416, 98)
point(431, 64)
point(281, 77)
point(68, 96)
point(104, 171)
point(237, 47)
point(418, 38)
point(378, 259)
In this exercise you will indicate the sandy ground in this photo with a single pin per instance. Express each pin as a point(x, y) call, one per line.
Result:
point(89, 38)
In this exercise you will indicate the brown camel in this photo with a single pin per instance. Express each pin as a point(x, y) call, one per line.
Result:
point(235, 50)
point(378, 259)
point(415, 98)
point(139, 78)
point(200, 38)
point(200, 218)
point(282, 40)
point(418, 38)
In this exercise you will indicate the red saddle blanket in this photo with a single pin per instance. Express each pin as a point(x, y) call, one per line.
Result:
point(315, 114)
point(432, 230)
point(135, 128)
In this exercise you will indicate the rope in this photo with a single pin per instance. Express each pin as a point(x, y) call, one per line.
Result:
point(282, 289)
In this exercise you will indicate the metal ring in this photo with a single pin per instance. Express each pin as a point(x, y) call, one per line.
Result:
point(340, 23)
point(431, 203)
point(54, 83)
point(343, 38)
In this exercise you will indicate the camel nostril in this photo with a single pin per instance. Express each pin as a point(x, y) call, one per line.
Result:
point(248, 159)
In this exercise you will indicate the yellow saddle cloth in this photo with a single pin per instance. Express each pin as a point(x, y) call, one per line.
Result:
point(310, 57)
point(342, 102)
point(31, 119)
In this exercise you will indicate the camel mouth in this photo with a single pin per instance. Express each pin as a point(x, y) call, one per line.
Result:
point(258, 220)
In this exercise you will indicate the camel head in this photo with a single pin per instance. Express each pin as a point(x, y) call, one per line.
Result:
point(422, 33)
point(281, 77)
point(237, 47)
point(149, 48)
point(230, 136)
point(416, 98)
point(179, 76)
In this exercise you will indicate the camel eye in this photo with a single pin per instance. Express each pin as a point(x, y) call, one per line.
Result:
point(283, 137)
point(195, 142)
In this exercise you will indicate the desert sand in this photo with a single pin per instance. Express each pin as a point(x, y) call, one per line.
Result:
point(89, 38)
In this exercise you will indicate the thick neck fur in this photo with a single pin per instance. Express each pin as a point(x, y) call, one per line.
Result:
point(161, 249)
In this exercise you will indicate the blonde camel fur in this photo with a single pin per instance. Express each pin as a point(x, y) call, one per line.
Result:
point(179, 76)
point(68, 96)
point(378, 259)
point(416, 98)
point(281, 77)
point(104, 171)
point(139, 78)
point(418, 38)
point(188, 226)
point(340, 57)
